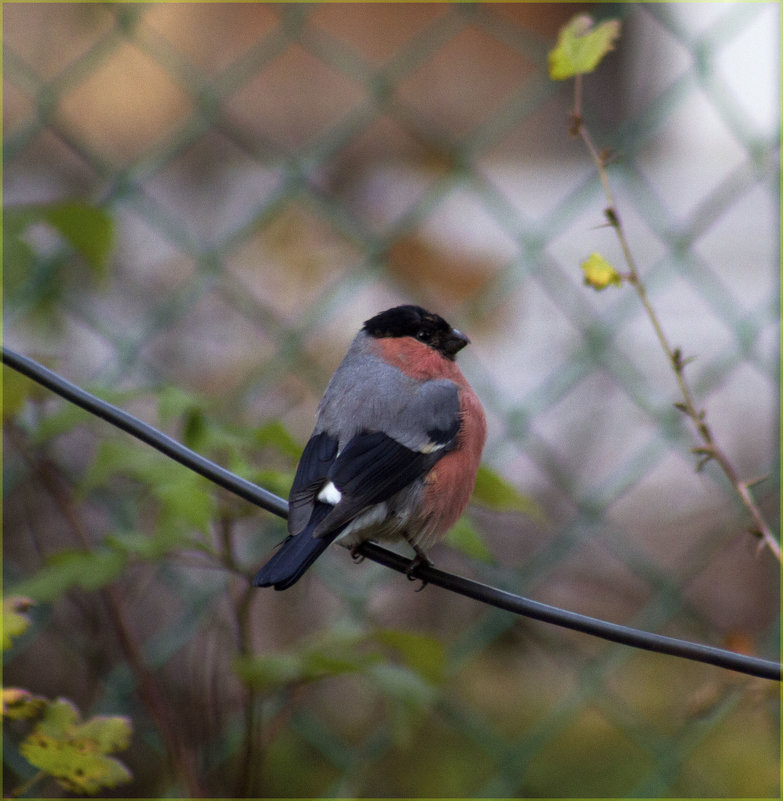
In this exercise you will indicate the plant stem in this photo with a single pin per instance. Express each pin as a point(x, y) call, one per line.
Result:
point(709, 449)
point(152, 695)
point(25, 787)
point(252, 752)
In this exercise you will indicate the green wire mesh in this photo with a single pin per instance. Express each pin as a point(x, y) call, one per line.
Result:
point(275, 174)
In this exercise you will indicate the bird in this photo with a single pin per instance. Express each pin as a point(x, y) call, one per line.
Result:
point(395, 450)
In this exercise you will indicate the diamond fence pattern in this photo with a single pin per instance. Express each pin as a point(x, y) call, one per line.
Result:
point(275, 174)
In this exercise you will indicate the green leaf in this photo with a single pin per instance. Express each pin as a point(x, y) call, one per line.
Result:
point(466, 539)
point(175, 402)
point(15, 621)
point(180, 405)
point(61, 420)
point(110, 733)
point(194, 429)
point(331, 653)
point(65, 417)
point(409, 695)
point(403, 685)
point(88, 570)
point(60, 715)
point(88, 229)
point(18, 256)
point(420, 652)
point(16, 390)
point(275, 434)
point(495, 492)
point(91, 570)
point(276, 481)
point(75, 753)
point(19, 704)
point(186, 498)
point(581, 46)
point(267, 672)
point(146, 547)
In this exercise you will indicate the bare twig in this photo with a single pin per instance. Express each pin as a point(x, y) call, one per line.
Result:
point(252, 751)
point(26, 787)
point(709, 448)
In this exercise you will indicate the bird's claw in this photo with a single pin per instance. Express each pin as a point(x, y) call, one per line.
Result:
point(355, 555)
point(417, 561)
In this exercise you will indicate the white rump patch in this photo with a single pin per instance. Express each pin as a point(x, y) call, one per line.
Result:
point(330, 494)
point(431, 447)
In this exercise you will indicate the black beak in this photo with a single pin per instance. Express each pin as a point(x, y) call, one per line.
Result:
point(455, 342)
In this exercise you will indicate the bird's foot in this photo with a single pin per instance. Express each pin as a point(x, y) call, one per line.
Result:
point(420, 559)
point(355, 555)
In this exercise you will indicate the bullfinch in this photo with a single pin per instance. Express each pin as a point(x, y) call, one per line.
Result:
point(395, 449)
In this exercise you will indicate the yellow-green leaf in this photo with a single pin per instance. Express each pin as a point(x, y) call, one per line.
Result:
point(599, 273)
point(495, 492)
point(409, 696)
point(15, 621)
point(410, 690)
point(185, 497)
point(110, 733)
point(420, 652)
point(18, 256)
point(277, 481)
point(276, 435)
point(75, 752)
point(581, 46)
point(89, 570)
point(19, 703)
point(464, 538)
point(330, 653)
point(89, 230)
point(16, 390)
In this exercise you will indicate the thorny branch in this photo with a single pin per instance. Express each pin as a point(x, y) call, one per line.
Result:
point(709, 449)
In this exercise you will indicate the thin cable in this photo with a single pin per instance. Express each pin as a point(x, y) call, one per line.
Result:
point(492, 596)
point(146, 433)
point(573, 620)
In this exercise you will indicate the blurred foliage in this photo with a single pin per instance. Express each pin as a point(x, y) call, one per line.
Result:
point(60, 745)
point(494, 492)
point(348, 684)
point(76, 752)
point(15, 621)
point(581, 46)
point(399, 683)
point(37, 241)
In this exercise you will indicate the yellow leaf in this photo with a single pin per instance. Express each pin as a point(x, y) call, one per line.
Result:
point(581, 46)
point(19, 703)
point(75, 753)
point(599, 274)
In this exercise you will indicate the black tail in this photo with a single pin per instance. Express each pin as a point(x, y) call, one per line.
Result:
point(296, 554)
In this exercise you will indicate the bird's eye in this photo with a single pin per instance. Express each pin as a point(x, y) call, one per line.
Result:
point(422, 334)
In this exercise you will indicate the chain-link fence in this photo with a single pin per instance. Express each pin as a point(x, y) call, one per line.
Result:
point(273, 175)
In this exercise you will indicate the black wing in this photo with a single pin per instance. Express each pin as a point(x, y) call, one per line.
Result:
point(311, 474)
point(372, 468)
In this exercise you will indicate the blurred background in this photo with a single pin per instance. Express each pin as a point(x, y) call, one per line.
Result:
point(203, 202)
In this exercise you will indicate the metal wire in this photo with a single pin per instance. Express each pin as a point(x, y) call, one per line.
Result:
point(426, 573)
